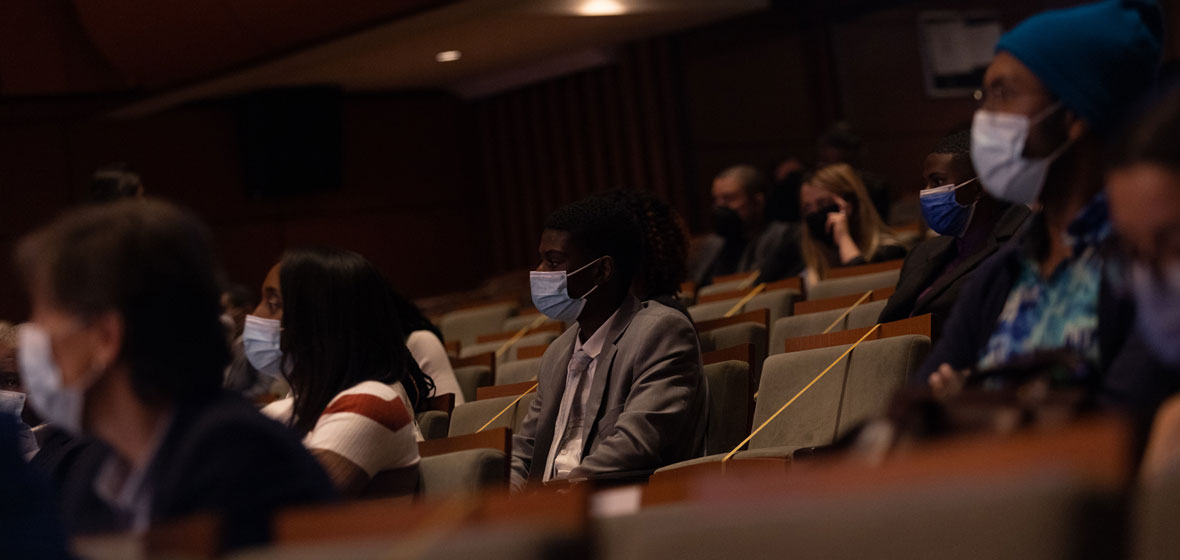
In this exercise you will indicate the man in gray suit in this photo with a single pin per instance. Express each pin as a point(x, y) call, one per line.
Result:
point(622, 391)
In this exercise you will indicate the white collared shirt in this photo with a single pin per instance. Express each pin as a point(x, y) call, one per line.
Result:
point(564, 458)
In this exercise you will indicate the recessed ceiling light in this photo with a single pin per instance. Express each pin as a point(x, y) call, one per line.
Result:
point(601, 8)
point(448, 56)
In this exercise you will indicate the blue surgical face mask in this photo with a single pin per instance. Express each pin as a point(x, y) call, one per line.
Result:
point(943, 212)
point(551, 294)
point(260, 340)
point(1157, 310)
point(52, 400)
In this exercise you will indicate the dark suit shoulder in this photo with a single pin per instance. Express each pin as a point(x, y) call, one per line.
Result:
point(227, 432)
point(1010, 221)
point(224, 456)
point(930, 248)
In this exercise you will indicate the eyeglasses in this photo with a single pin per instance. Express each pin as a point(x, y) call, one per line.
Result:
point(1000, 94)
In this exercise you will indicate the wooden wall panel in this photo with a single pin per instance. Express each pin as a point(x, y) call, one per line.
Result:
point(409, 201)
point(552, 143)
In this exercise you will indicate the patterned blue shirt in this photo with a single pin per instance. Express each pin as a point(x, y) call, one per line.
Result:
point(1059, 312)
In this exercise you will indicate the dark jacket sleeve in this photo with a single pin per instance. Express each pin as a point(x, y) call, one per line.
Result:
point(901, 303)
point(29, 526)
point(973, 317)
point(242, 466)
point(524, 442)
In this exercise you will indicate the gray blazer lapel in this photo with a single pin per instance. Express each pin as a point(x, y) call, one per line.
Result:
point(603, 369)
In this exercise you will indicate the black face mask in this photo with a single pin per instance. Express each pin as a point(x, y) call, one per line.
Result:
point(817, 224)
point(727, 224)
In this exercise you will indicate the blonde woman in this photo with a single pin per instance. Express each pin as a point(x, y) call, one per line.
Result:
point(843, 227)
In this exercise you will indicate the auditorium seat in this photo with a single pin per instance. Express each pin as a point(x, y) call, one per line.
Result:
point(742, 280)
point(500, 542)
point(729, 405)
point(864, 315)
point(434, 424)
point(733, 335)
point(466, 324)
point(521, 321)
point(778, 302)
point(462, 473)
point(518, 371)
point(1037, 515)
point(853, 284)
point(1155, 512)
point(857, 388)
point(711, 310)
point(469, 416)
point(472, 377)
point(509, 355)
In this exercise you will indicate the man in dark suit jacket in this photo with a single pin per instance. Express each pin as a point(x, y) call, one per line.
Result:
point(623, 390)
point(935, 270)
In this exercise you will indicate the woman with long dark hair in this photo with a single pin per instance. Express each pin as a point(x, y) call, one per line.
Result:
point(425, 342)
point(327, 325)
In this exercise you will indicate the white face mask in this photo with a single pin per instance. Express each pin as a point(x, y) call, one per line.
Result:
point(997, 148)
point(51, 399)
point(260, 340)
point(12, 402)
point(551, 294)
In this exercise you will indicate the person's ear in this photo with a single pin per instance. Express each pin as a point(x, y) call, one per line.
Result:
point(107, 332)
point(606, 270)
point(1075, 127)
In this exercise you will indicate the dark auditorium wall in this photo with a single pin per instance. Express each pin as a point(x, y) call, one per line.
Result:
point(408, 200)
point(755, 90)
point(441, 192)
point(761, 88)
point(551, 143)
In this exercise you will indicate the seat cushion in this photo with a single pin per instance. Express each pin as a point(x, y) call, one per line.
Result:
point(857, 388)
point(853, 284)
point(471, 378)
point(462, 473)
point(729, 405)
point(518, 371)
point(434, 424)
point(471, 415)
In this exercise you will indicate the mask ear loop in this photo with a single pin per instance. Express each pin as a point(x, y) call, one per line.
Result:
point(580, 269)
point(1044, 114)
point(978, 195)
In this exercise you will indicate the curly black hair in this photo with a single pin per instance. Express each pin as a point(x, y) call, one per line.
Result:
point(599, 226)
point(663, 261)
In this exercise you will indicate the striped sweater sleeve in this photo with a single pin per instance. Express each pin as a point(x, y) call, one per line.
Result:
point(371, 425)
